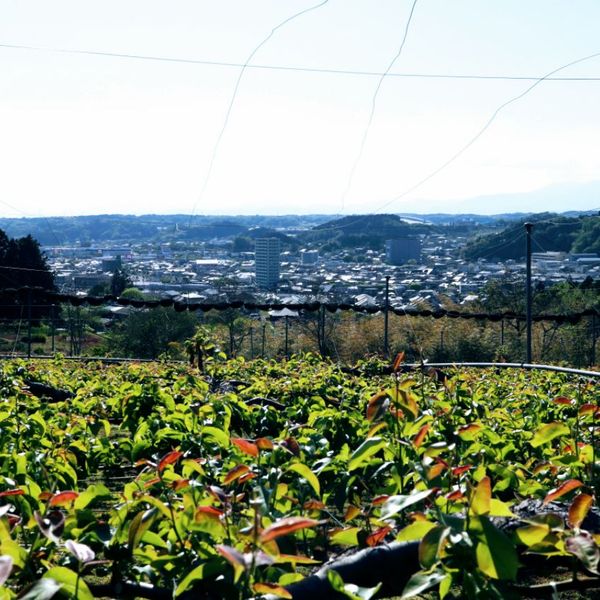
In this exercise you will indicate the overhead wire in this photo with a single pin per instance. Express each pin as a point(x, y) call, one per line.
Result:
point(374, 103)
point(235, 93)
point(470, 142)
point(291, 68)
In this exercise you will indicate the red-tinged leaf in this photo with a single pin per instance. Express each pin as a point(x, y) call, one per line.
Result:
point(561, 490)
point(377, 406)
point(436, 470)
point(180, 484)
point(568, 448)
point(421, 434)
point(469, 432)
point(151, 482)
point(398, 361)
point(247, 477)
point(589, 409)
point(545, 466)
point(208, 511)
point(63, 498)
point(377, 536)
point(579, 509)
point(15, 492)
point(285, 527)
point(291, 445)
point(144, 462)
point(313, 505)
point(481, 499)
point(458, 471)
point(272, 589)
point(351, 513)
point(246, 446)
point(44, 496)
point(236, 473)
point(562, 400)
point(169, 459)
point(454, 496)
point(407, 402)
point(379, 499)
point(264, 443)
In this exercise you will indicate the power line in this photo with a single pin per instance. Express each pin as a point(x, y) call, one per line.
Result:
point(373, 104)
point(234, 96)
point(472, 141)
point(291, 68)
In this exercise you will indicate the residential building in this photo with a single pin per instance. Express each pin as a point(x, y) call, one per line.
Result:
point(267, 262)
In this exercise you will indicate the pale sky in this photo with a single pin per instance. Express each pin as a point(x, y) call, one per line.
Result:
point(90, 134)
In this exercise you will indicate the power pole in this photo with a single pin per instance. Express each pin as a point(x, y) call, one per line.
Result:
point(386, 345)
point(528, 228)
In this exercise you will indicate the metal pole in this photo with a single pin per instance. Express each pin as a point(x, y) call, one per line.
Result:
point(29, 323)
point(593, 353)
point(52, 328)
point(528, 228)
point(386, 345)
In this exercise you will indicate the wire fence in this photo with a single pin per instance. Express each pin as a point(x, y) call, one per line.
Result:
point(43, 322)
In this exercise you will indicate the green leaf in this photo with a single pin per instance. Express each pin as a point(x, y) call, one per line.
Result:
point(345, 537)
point(496, 554)
point(394, 504)
point(365, 451)
point(94, 492)
point(481, 499)
point(415, 531)
point(421, 582)
point(430, 546)
point(305, 472)
point(548, 432)
point(139, 525)
point(216, 435)
point(70, 583)
point(351, 591)
point(204, 571)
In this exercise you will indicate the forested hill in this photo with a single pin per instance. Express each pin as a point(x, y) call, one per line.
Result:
point(365, 230)
point(551, 232)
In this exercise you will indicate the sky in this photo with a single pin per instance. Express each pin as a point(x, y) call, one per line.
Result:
point(86, 133)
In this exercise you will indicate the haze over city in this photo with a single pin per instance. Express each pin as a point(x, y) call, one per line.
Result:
point(146, 107)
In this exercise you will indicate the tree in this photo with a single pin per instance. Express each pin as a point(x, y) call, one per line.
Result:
point(120, 282)
point(22, 264)
point(147, 333)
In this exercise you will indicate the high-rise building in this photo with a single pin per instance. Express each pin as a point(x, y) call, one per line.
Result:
point(266, 259)
point(401, 250)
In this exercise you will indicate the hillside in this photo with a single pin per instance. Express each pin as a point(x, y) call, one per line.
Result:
point(551, 232)
point(364, 230)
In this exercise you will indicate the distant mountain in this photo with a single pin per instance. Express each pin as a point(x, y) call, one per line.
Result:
point(556, 198)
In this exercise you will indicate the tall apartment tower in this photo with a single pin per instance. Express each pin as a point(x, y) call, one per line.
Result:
point(266, 259)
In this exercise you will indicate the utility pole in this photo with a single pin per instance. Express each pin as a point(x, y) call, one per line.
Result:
point(528, 228)
point(386, 345)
